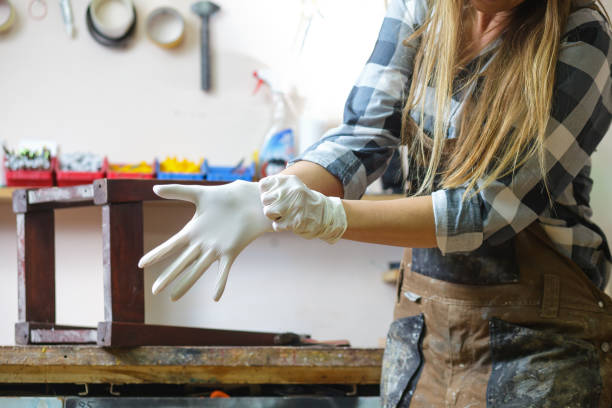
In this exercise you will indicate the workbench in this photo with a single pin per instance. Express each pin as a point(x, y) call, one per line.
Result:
point(83, 368)
point(189, 365)
point(142, 355)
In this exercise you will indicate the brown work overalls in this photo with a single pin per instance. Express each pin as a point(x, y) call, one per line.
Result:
point(543, 339)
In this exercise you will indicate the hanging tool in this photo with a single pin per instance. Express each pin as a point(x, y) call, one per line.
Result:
point(8, 18)
point(67, 16)
point(165, 27)
point(112, 18)
point(37, 9)
point(108, 30)
point(205, 9)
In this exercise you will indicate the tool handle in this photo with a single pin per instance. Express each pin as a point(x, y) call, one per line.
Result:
point(66, 8)
point(205, 51)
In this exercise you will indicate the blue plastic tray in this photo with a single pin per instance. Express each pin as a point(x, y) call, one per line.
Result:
point(162, 175)
point(222, 173)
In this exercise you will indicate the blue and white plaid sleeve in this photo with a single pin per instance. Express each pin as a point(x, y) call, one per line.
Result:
point(358, 151)
point(579, 119)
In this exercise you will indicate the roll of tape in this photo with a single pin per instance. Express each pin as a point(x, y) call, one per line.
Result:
point(7, 21)
point(103, 39)
point(112, 18)
point(165, 27)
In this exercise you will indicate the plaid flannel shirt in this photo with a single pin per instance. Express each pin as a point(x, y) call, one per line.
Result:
point(358, 151)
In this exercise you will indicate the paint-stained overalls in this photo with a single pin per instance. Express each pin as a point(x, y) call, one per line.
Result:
point(543, 338)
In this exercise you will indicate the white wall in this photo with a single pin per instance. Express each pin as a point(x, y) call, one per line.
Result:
point(145, 102)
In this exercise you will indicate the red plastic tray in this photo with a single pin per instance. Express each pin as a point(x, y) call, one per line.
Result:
point(30, 178)
point(74, 178)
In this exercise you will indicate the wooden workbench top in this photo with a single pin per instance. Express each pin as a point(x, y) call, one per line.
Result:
point(190, 365)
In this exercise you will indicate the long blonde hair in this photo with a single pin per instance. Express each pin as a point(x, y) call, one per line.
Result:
point(504, 120)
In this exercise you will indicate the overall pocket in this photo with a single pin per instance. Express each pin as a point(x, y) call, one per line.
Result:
point(533, 368)
point(402, 361)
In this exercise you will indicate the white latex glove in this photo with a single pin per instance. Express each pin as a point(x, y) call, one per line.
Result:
point(293, 206)
point(227, 218)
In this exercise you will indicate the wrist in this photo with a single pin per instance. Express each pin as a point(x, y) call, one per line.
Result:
point(334, 220)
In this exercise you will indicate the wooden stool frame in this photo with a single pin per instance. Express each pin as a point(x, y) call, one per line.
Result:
point(122, 234)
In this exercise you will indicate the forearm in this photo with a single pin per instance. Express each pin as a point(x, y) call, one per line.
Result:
point(316, 178)
point(406, 222)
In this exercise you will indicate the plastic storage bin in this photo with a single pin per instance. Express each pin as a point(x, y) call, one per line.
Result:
point(163, 175)
point(112, 174)
point(74, 178)
point(30, 178)
point(222, 173)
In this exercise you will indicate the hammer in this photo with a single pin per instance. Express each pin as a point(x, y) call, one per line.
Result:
point(205, 9)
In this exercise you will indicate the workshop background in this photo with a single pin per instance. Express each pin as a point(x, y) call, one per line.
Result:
point(145, 102)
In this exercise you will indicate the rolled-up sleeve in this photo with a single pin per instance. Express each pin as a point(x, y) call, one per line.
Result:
point(358, 151)
point(580, 117)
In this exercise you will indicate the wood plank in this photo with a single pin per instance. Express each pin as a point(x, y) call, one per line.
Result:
point(36, 266)
point(126, 190)
point(20, 201)
point(122, 240)
point(50, 333)
point(68, 194)
point(121, 334)
point(190, 365)
point(25, 200)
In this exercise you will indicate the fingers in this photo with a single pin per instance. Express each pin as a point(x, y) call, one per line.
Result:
point(274, 212)
point(178, 192)
point(188, 256)
point(281, 195)
point(160, 252)
point(225, 265)
point(269, 197)
point(268, 183)
point(270, 200)
point(193, 274)
point(281, 225)
point(277, 180)
point(275, 206)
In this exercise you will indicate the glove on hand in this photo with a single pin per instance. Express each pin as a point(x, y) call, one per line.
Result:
point(227, 218)
point(293, 206)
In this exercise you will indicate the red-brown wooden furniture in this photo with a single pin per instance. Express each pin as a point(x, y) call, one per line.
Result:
point(124, 313)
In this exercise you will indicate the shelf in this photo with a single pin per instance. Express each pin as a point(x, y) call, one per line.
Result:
point(6, 194)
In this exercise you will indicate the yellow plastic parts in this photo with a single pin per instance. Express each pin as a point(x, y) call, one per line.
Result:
point(173, 165)
point(141, 167)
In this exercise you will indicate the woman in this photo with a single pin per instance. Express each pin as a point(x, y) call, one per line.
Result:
point(499, 105)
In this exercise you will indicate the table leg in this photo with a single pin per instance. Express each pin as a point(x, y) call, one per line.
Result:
point(35, 268)
point(122, 237)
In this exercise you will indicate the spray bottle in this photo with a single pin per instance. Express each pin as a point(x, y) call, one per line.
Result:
point(279, 144)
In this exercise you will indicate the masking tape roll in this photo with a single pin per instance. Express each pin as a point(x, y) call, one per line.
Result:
point(165, 27)
point(107, 41)
point(7, 23)
point(112, 18)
